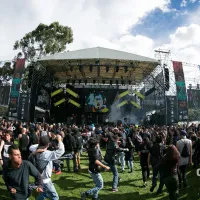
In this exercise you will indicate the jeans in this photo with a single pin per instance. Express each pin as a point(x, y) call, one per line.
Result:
point(98, 181)
point(171, 183)
point(121, 156)
point(154, 179)
point(49, 192)
point(129, 163)
point(114, 170)
point(182, 174)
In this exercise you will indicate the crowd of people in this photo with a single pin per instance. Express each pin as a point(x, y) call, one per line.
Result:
point(43, 149)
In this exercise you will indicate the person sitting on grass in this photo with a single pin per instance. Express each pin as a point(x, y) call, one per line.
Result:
point(94, 164)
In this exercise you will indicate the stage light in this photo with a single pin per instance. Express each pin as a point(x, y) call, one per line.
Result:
point(135, 104)
point(125, 69)
point(117, 68)
point(79, 81)
point(117, 82)
point(122, 104)
point(107, 68)
point(103, 81)
point(59, 102)
point(56, 92)
point(94, 81)
point(74, 103)
point(139, 94)
point(91, 68)
point(123, 94)
point(111, 82)
point(97, 62)
point(72, 93)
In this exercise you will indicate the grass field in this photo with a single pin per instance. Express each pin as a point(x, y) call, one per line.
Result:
point(69, 185)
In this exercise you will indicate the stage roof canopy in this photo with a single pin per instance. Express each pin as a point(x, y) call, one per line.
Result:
point(99, 64)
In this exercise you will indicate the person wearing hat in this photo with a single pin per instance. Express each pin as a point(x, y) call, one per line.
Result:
point(184, 147)
point(49, 156)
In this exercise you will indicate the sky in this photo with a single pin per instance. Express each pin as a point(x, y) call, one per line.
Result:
point(138, 27)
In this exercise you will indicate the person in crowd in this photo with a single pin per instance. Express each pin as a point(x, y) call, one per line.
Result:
point(196, 146)
point(169, 168)
point(16, 175)
point(184, 147)
point(157, 151)
point(79, 143)
point(94, 164)
point(129, 154)
point(111, 151)
point(44, 163)
point(4, 146)
point(23, 143)
point(70, 146)
point(144, 154)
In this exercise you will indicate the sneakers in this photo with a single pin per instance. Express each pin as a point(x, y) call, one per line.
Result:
point(114, 190)
point(145, 184)
point(83, 196)
point(152, 188)
point(58, 172)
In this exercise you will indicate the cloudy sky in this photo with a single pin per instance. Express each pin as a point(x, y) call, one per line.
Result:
point(135, 26)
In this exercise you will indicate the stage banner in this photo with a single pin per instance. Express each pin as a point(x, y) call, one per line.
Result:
point(15, 89)
point(23, 107)
point(172, 113)
point(4, 95)
point(181, 91)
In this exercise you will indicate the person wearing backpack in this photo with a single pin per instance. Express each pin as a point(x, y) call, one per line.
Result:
point(157, 152)
point(184, 146)
point(79, 143)
point(44, 164)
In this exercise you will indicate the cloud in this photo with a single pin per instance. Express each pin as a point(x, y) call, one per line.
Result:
point(183, 3)
point(94, 23)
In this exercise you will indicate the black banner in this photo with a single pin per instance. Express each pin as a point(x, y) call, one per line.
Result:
point(14, 94)
point(172, 112)
point(4, 95)
point(23, 107)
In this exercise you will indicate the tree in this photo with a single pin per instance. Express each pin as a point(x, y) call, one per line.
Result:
point(45, 40)
point(6, 72)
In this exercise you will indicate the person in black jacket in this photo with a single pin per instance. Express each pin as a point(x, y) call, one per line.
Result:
point(144, 153)
point(94, 164)
point(16, 175)
point(111, 151)
point(70, 146)
point(157, 152)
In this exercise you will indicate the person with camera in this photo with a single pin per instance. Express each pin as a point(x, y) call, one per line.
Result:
point(111, 151)
point(95, 163)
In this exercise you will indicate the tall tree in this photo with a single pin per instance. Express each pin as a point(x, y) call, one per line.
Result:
point(44, 40)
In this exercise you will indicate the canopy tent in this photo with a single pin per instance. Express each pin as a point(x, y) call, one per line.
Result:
point(99, 65)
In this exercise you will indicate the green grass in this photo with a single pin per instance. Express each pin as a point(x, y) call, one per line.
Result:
point(69, 185)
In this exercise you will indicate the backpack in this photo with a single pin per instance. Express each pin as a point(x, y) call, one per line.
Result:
point(185, 151)
point(79, 141)
point(38, 162)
